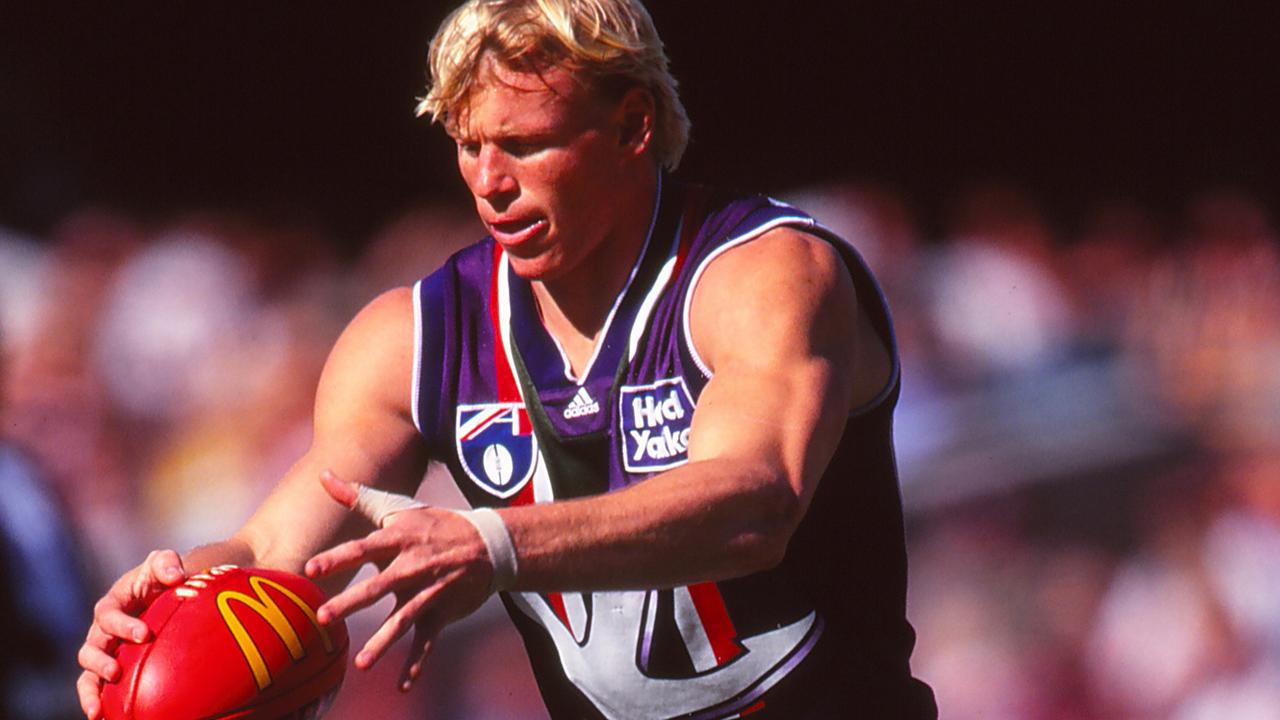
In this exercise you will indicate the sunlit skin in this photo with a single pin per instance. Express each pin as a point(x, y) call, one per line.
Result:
point(565, 182)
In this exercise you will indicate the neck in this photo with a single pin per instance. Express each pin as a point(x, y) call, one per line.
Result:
point(576, 305)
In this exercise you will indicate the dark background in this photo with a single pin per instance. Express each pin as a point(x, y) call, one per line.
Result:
point(303, 109)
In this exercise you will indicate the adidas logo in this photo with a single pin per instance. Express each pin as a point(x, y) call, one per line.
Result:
point(581, 405)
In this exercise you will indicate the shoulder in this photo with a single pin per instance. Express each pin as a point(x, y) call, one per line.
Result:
point(782, 267)
point(785, 284)
point(376, 348)
point(778, 255)
point(390, 313)
point(787, 299)
point(743, 237)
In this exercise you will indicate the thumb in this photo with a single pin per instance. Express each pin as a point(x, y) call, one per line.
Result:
point(161, 569)
point(167, 566)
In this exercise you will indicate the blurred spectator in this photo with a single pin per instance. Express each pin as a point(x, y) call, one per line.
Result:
point(43, 595)
point(996, 301)
point(1160, 630)
point(1206, 331)
point(24, 268)
point(1118, 244)
point(57, 406)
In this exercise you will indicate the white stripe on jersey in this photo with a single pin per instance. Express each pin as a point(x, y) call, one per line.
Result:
point(417, 353)
point(693, 631)
point(728, 245)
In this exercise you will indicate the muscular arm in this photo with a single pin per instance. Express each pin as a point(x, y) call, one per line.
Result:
point(775, 320)
point(362, 428)
point(363, 431)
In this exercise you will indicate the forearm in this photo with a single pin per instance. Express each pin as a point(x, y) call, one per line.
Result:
point(706, 520)
point(233, 551)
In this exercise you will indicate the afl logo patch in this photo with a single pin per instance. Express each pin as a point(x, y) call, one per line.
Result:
point(655, 420)
point(496, 446)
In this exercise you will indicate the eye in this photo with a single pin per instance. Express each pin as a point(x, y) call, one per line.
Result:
point(468, 148)
point(521, 148)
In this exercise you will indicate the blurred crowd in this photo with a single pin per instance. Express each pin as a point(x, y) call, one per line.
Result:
point(1089, 437)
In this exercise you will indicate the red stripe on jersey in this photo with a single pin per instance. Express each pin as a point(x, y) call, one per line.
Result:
point(508, 391)
point(754, 708)
point(479, 423)
point(556, 600)
point(715, 621)
point(690, 224)
point(524, 497)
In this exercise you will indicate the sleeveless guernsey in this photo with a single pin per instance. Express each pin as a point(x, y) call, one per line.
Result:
point(822, 635)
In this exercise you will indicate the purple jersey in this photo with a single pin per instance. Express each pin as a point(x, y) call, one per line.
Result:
point(824, 634)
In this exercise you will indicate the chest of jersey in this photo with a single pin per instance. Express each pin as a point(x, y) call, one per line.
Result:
point(496, 401)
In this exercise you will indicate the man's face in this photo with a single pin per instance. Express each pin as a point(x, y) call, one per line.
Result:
point(539, 154)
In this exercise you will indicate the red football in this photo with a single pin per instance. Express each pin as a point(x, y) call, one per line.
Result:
point(231, 643)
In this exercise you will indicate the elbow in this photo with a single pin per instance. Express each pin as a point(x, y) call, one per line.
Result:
point(764, 543)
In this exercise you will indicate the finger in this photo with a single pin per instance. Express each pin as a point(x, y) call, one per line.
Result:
point(357, 597)
point(98, 638)
point(399, 621)
point(99, 663)
point(424, 637)
point(374, 547)
point(88, 687)
point(375, 505)
point(135, 590)
point(113, 622)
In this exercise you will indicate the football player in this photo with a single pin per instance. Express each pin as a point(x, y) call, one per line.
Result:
point(670, 407)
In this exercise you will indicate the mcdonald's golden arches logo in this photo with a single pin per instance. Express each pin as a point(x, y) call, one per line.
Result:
point(265, 606)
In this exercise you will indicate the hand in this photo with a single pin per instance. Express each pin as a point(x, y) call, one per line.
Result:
point(115, 620)
point(434, 562)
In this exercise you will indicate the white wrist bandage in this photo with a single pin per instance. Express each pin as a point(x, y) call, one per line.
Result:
point(378, 505)
point(502, 552)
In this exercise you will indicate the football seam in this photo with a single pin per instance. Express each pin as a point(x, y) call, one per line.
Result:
point(135, 680)
point(339, 655)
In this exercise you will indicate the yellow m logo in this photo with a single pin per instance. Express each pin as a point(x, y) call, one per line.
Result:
point(267, 609)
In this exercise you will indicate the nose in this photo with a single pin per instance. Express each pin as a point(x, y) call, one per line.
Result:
point(493, 179)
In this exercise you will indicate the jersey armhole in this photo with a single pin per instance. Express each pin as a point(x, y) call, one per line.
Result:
point(864, 282)
point(416, 390)
point(429, 348)
point(686, 328)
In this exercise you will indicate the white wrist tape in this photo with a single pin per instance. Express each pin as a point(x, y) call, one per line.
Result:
point(502, 552)
point(378, 505)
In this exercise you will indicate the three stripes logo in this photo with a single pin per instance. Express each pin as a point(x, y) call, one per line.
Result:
point(581, 405)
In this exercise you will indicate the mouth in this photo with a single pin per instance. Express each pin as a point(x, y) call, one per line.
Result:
point(515, 232)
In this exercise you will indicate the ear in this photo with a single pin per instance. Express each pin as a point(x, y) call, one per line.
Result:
point(635, 119)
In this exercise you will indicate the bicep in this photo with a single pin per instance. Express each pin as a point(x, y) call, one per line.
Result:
point(362, 431)
point(773, 320)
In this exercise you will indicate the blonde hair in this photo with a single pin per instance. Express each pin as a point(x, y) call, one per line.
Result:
point(612, 44)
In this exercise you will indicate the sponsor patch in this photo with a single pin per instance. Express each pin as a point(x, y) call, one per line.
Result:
point(655, 425)
point(496, 446)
